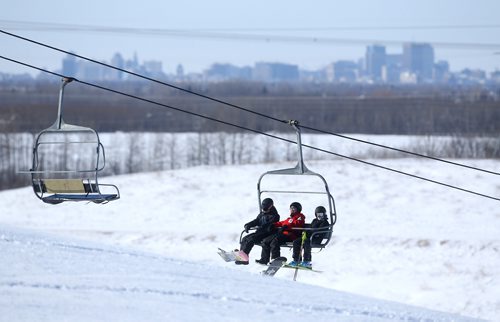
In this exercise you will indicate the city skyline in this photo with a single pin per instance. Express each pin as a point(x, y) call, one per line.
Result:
point(414, 64)
point(197, 34)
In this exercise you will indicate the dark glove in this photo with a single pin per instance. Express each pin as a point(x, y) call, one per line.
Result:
point(282, 228)
point(247, 228)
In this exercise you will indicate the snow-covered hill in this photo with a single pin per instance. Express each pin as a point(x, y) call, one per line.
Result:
point(52, 279)
point(396, 238)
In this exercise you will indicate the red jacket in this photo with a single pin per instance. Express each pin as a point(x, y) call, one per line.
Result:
point(297, 221)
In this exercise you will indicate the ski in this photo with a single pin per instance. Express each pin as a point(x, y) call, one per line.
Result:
point(302, 268)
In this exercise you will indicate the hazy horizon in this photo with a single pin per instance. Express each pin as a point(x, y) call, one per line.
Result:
point(197, 34)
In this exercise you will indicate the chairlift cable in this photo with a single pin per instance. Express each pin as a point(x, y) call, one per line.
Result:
point(238, 34)
point(37, 25)
point(143, 77)
point(251, 130)
point(399, 150)
point(248, 110)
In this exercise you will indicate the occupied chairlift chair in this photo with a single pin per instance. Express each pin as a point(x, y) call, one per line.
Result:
point(301, 170)
point(66, 162)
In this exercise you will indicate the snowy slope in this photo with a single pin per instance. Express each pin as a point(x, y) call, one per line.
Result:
point(54, 279)
point(396, 238)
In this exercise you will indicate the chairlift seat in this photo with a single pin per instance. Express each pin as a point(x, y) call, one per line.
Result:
point(96, 198)
point(71, 190)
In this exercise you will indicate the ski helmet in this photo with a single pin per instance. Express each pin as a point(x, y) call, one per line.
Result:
point(320, 212)
point(297, 206)
point(266, 204)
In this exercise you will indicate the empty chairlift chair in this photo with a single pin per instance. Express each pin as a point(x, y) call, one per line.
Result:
point(66, 163)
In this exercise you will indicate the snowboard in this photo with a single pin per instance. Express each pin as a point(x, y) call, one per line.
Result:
point(274, 266)
point(232, 256)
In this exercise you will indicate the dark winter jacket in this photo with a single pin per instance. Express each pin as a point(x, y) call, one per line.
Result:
point(316, 223)
point(294, 221)
point(264, 220)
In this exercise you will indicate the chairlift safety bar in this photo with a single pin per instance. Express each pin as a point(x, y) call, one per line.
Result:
point(306, 192)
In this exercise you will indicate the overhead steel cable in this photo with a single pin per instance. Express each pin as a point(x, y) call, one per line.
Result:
point(400, 150)
point(242, 108)
point(245, 109)
point(142, 76)
point(37, 25)
point(250, 129)
point(243, 36)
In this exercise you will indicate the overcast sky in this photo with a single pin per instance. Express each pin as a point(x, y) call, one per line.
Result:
point(310, 34)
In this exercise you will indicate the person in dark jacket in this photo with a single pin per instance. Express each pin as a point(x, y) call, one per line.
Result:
point(271, 244)
point(321, 221)
point(264, 227)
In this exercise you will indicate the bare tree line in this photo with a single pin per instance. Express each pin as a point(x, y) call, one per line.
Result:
point(143, 152)
point(342, 109)
point(470, 115)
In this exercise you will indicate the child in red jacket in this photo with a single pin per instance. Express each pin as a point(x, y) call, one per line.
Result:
point(271, 244)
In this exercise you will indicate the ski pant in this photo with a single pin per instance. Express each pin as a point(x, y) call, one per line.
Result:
point(297, 245)
point(250, 240)
point(271, 246)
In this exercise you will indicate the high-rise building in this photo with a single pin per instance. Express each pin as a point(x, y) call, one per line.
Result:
point(441, 71)
point(393, 68)
point(345, 71)
point(275, 72)
point(375, 61)
point(69, 65)
point(119, 62)
point(179, 72)
point(227, 71)
point(153, 68)
point(90, 71)
point(418, 58)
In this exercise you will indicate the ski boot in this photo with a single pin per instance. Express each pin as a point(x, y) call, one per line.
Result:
point(306, 265)
point(261, 261)
point(241, 258)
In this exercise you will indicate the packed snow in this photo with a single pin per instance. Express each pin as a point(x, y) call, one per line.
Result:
point(152, 254)
point(54, 279)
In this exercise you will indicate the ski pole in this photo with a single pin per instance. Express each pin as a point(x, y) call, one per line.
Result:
point(303, 240)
